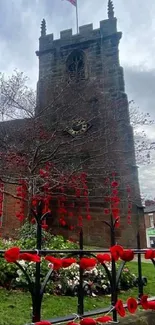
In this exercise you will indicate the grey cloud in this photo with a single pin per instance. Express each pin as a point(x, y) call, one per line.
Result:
point(140, 86)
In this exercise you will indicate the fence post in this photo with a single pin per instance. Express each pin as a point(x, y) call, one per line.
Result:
point(140, 280)
point(80, 289)
point(37, 295)
point(113, 266)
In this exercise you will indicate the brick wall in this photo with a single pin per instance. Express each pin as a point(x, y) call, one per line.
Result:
point(10, 224)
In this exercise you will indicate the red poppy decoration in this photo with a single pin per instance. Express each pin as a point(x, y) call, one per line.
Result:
point(115, 192)
point(86, 263)
point(57, 262)
point(12, 254)
point(132, 305)
point(106, 211)
point(150, 254)
point(127, 255)
point(115, 212)
point(116, 252)
point(44, 322)
point(104, 319)
point(114, 184)
point(120, 308)
point(144, 302)
point(66, 262)
point(44, 227)
point(29, 257)
point(88, 321)
point(102, 258)
point(151, 305)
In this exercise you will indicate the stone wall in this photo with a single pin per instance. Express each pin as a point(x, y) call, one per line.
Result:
point(112, 142)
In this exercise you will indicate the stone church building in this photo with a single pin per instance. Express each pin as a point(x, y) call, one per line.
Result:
point(81, 73)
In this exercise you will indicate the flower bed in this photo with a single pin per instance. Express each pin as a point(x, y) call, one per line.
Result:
point(64, 281)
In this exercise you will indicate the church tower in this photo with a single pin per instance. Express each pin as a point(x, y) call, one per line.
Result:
point(97, 114)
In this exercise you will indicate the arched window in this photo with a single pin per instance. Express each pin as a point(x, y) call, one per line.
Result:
point(76, 65)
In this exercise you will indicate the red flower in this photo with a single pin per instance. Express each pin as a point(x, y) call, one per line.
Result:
point(33, 221)
point(71, 227)
point(115, 192)
point(86, 263)
point(62, 210)
point(89, 217)
point(57, 262)
point(150, 254)
point(120, 308)
point(127, 255)
point(144, 302)
point(106, 211)
point(66, 262)
point(78, 193)
point(116, 252)
point(44, 227)
point(132, 305)
point(88, 321)
point(115, 212)
point(151, 305)
point(29, 257)
point(43, 173)
point(104, 319)
point(44, 322)
point(114, 184)
point(117, 223)
point(115, 199)
point(102, 258)
point(12, 254)
point(62, 222)
point(34, 202)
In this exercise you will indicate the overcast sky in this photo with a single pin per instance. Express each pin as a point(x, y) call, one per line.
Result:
point(20, 29)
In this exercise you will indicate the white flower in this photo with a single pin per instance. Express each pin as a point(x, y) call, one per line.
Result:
point(22, 263)
point(76, 282)
point(50, 265)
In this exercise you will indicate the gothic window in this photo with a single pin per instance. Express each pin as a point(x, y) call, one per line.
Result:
point(76, 65)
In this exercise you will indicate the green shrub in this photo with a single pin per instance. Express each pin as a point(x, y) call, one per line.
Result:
point(27, 240)
point(65, 281)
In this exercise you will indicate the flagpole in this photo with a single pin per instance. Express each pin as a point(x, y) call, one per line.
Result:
point(77, 18)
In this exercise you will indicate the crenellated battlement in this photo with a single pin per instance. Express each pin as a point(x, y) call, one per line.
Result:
point(86, 32)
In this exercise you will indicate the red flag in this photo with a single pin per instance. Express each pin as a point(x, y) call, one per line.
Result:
point(73, 2)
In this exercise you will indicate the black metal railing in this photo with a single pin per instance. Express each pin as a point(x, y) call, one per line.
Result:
point(37, 289)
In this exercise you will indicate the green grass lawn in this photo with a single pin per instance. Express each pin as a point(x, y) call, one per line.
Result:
point(15, 307)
